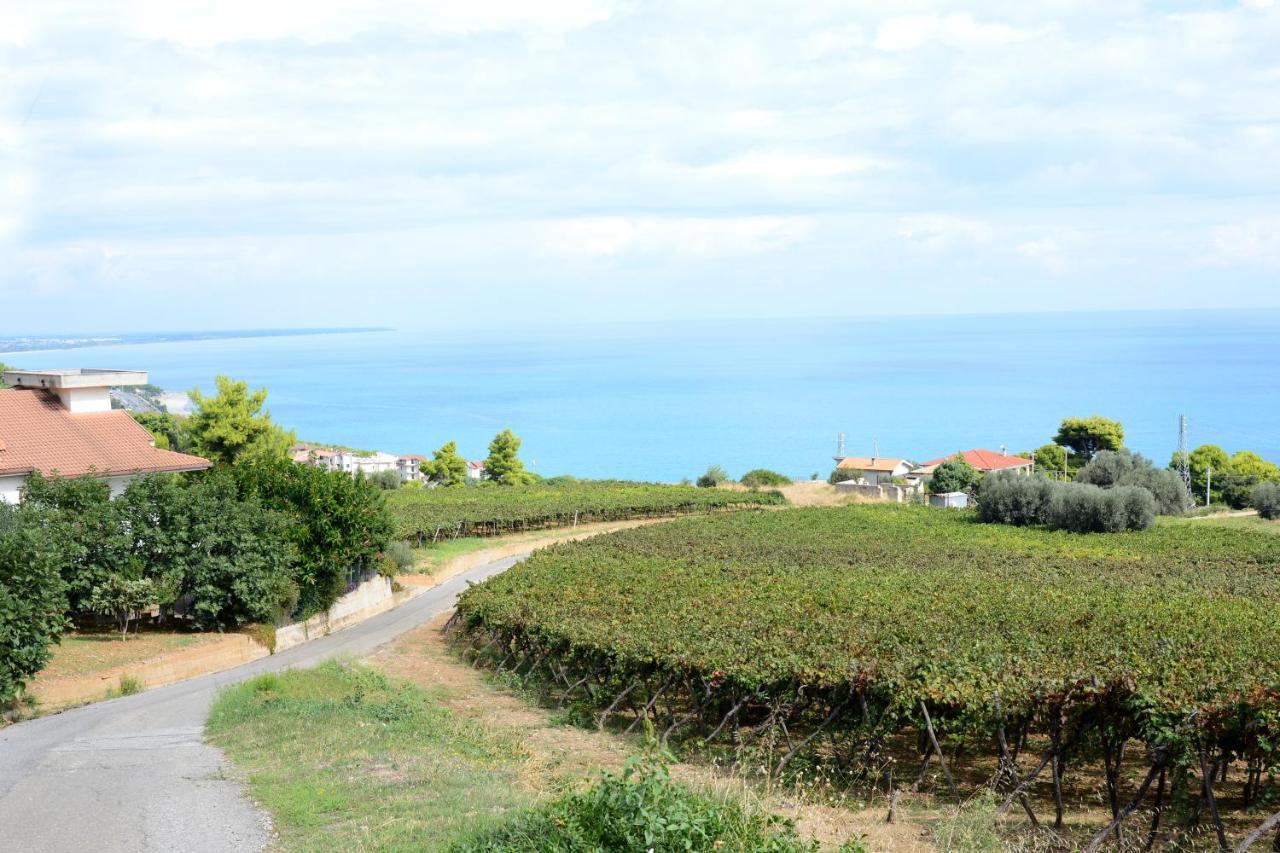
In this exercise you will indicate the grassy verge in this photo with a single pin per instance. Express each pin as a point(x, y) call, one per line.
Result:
point(345, 758)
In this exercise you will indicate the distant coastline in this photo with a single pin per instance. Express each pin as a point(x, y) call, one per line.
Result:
point(29, 343)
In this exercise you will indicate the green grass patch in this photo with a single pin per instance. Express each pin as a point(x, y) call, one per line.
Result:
point(345, 758)
point(640, 809)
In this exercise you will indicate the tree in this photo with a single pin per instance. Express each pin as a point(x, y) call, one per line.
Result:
point(1086, 436)
point(388, 481)
point(1112, 468)
point(446, 467)
point(32, 597)
point(3, 368)
point(953, 475)
point(1051, 459)
point(338, 523)
point(233, 426)
point(1201, 461)
point(163, 427)
point(124, 596)
point(1244, 470)
point(503, 466)
point(83, 524)
point(714, 476)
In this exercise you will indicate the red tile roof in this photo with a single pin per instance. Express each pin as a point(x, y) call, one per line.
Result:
point(38, 434)
point(868, 463)
point(983, 460)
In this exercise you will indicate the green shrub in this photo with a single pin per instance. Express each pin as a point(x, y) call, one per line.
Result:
point(759, 478)
point(843, 475)
point(32, 598)
point(388, 481)
point(401, 554)
point(712, 477)
point(953, 475)
point(1265, 498)
point(641, 809)
point(129, 685)
point(1110, 468)
point(1077, 507)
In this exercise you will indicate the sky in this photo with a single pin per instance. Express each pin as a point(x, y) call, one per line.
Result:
point(237, 164)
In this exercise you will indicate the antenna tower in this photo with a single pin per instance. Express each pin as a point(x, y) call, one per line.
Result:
point(1184, 461)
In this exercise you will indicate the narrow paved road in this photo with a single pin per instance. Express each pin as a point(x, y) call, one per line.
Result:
point(134, 774)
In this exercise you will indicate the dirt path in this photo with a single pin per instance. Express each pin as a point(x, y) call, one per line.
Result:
point(561, 754)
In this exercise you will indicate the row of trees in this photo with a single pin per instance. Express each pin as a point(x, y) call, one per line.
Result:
point(255, 539)
point(502, 466)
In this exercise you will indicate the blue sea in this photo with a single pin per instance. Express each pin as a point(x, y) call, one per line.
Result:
point(662, 402)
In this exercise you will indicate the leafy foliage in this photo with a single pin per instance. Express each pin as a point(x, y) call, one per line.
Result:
point(712, 477)
point(1051, 458)
point(32, 598)
point(123, 596)
point(1110, 468)
point(1077, 507)
point(446, 467)
point(758, 478)
point(954, 475)
point(1244, 470)
point(843, 475)
point(1265, 498)
point(434, 513)
point(1086, 436)
point(503, 465)
point(641, 809)
point(232, 425)
point(339, 524)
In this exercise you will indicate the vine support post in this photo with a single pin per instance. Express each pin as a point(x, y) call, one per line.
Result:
point(1213, 802)
point(933, 739)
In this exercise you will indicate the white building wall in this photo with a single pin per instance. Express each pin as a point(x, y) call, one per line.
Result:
point(11, 488)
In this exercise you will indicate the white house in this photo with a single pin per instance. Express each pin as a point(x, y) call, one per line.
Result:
point(60, 422)
point(874, 471)
point(407, 466)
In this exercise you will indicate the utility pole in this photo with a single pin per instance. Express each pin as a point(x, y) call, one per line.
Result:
point(1208, 483)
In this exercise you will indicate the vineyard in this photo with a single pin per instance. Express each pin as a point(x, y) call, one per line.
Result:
point(842, 637)
point(431, 514)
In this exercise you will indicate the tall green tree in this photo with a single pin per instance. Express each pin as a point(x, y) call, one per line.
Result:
point(1051, 459)
point(1244, 470)
point(503, 465)
point(164, 428)
point(446, 467)
point(32, 597)
point(3, 368)
point(1086, 436)
point(1202, 460)
point(232, 426)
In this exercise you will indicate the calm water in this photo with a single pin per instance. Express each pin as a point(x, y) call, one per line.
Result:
point(664, 402)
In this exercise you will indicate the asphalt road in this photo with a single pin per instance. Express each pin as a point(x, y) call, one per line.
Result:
point(134, 774)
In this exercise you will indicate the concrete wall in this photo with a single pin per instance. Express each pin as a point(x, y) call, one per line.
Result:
point(887, 492)
point(369, 599)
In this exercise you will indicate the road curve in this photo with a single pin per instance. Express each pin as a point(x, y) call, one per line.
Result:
point(134, 773)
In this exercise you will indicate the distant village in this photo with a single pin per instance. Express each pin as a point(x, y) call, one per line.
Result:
point(902, 481)
point(371, 463)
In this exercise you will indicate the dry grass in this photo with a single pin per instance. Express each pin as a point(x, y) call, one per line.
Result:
point(563, 755)
point(84, 653)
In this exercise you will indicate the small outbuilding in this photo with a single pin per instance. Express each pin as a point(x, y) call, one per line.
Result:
point(950, 500)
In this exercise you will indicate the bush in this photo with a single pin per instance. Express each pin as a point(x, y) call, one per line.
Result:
point(1006, 498)
point(32, 598)
point(759, 478)
point(340, 524)
point(714, 476)
point(953, 475)
point(1078, 507)
point(400, 554)
point(386, 480)
point(643, 809)
point(1265, 498)
point(843, 475)
point(1110, 468)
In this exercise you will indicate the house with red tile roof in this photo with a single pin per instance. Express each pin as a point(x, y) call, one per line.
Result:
point(60, 423)
point(985, 461)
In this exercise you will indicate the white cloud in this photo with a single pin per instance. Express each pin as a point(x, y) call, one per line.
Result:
point(691, 237)
point(1045, 251)
point(782, 166)
point(957, 30)
point(1254, 242)
point(941, 232)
